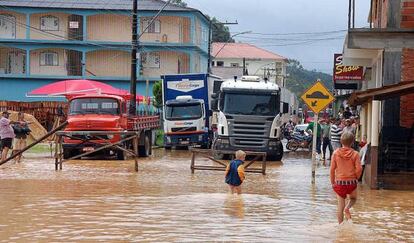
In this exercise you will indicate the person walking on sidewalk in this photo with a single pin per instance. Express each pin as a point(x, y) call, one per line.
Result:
point(326, 140)
point(336, 132)
point(345, 171)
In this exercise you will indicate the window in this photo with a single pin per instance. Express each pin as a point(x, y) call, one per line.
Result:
point(155, 27)
point(150, 60)
point(220, 64)
point(49, 59)
point(234, 64)
point(212, 63)
point(49, 22)
point(7, 26)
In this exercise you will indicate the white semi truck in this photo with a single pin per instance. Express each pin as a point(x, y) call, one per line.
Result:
point(249, 116)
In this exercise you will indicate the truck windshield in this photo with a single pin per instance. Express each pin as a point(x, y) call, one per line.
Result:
point(183, 112)
point(251, 104)
point(94, 106)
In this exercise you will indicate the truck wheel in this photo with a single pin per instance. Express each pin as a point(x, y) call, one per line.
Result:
point(68, 153)
point(145, 149)
point(277, 157)
point(120, 155)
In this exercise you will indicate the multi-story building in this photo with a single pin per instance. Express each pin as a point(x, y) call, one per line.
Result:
point(386, 50)
point(228, 60)
point(46, 41)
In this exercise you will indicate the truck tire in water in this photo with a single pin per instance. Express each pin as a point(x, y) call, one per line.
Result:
point(120, 155)
point(145, 150)
point(277, 157)
point(68, 153)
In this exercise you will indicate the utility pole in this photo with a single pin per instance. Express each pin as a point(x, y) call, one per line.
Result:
point(210, 33)
point(210, 38)
point(134, 53)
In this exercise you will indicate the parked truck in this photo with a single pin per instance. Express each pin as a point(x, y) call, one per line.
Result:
point(92, 113)
point(250, 113)
point(187, 114)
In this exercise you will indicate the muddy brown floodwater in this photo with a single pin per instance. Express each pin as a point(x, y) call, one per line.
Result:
point(92, 200)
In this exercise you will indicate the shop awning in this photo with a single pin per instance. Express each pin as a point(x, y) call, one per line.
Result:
point(382, 93)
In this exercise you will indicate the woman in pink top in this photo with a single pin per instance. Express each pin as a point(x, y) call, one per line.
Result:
point(345, 171)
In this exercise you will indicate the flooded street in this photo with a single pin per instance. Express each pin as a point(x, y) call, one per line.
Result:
point(106, 200)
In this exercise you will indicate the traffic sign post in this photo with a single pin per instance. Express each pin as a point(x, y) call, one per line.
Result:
point(317, 98)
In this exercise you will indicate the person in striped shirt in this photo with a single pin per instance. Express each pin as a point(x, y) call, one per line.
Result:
point(336, 132)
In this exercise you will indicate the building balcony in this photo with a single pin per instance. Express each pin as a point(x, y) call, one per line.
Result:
point(59, 63)
point(68, 28)
point(385, 30)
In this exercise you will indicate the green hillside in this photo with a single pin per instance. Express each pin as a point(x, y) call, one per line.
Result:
point(300, 79)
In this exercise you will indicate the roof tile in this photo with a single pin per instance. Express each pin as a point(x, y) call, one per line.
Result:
point(242, 50)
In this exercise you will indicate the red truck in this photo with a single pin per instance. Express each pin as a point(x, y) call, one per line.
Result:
point(96, 119)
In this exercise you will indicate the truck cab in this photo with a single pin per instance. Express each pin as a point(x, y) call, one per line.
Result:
point(184, 122)
point(249, 116)
point(96, 113)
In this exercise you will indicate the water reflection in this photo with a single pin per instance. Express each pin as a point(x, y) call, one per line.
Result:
point(234, 206)
point(94, 200)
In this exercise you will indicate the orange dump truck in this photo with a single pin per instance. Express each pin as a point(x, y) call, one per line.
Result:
point(98, 119)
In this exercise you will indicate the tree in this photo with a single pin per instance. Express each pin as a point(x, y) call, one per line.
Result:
point(221, 33)
point(157, 91)
point(179, 3)
point(300, 79)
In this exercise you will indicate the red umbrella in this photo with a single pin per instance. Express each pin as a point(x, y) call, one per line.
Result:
point(72, 87)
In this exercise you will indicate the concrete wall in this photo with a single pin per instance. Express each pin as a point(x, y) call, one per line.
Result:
point(168, 64)
point(61, 34)
point(109, 27)
point(255, 67)
point(20, 18)
point(173, 30)
point(37, 69)
point(110, 63)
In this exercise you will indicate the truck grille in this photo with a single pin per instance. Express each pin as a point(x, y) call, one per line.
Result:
point(249, 134)
point(183, 129)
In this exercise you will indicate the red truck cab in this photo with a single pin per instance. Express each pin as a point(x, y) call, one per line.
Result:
point(91, 114)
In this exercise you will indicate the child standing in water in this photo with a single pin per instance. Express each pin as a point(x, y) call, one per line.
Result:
point(345, 171)
point(235, 172)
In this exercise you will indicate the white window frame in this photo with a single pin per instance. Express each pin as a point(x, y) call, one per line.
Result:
point(150, 60)
point(154, 28)
point(53, 25)
point(49, 59)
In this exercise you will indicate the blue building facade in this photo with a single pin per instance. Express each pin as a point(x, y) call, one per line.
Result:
point(44, 42)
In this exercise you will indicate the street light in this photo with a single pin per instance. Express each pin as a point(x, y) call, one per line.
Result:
point(240, 33)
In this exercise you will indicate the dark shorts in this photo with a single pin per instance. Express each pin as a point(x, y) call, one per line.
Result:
point(344, 190)
point(6, 143)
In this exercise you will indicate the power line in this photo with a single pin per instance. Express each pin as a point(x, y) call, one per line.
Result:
point(302, 33)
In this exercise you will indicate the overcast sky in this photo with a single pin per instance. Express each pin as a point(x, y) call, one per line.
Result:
point(264, 17)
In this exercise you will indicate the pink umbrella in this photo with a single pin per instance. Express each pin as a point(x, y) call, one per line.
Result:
point(72, 87)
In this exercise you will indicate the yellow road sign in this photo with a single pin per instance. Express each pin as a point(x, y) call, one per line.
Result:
point(317, 97)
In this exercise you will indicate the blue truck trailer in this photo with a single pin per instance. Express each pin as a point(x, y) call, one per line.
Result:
point(187, 114)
